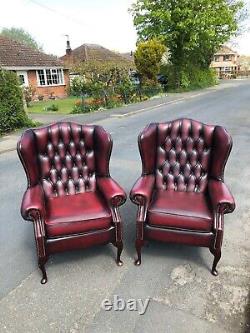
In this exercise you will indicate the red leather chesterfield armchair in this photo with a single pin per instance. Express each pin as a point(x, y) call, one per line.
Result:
point(71, 198)
point(181, 194)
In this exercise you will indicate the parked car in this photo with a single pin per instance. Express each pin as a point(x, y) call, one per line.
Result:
point(135, 77)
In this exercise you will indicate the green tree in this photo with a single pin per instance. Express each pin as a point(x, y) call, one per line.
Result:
point(148, 58)
point(192, 30)
point(20, 35)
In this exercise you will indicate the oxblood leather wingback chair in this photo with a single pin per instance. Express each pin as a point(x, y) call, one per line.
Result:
point(71, 198)
point(181, 194)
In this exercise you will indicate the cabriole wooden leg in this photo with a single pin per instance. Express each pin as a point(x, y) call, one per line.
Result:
point(40, 245)
point(41, 265)
point(216, 248)
point(119, 245)
point(138, 245)
point(217, 256)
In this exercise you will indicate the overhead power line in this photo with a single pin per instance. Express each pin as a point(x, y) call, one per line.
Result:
point(58, 13)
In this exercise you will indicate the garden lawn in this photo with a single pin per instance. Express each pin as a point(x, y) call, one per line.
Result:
point(65, 105)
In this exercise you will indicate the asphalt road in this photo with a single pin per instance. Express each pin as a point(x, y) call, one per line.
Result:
point(184, 296)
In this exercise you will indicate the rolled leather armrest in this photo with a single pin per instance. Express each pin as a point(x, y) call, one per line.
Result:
point(221, 198)
point(33, 202)
point(112, 192)
point(141, 192)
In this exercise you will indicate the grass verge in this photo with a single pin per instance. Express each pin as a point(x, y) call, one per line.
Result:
point(65, 106)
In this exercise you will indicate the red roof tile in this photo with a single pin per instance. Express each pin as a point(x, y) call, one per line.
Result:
point(16, 54)
point(89, 52)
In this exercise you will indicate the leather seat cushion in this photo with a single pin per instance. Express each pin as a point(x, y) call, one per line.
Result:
point(73, 214)
point(180, 210)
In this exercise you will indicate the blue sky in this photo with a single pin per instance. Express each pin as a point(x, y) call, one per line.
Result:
point(104, 22)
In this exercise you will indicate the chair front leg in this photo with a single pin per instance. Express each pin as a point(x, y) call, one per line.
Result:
point(40, 245)
point(118, 243)
point(139, 242)
point(217, 256)
point(215, 249)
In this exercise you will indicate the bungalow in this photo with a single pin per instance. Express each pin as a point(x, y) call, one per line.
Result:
point(44, 73)
point(92, 52)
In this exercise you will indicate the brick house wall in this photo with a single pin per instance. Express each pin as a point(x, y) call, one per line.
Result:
point(59, 91)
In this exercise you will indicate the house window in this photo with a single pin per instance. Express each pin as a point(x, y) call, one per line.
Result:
point(50, 77)
point(41, 77)
point(216, 58)
point(21, 79)
point(226, 57)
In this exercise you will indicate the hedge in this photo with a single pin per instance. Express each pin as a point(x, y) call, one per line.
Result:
point(12, 113)
point(191, 78)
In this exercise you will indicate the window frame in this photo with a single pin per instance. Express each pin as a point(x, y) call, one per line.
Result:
point(227, 57)
point(49, 76)
point(21, 79)
point(24, 74)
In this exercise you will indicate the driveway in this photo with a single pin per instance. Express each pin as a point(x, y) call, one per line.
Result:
point(184, 296)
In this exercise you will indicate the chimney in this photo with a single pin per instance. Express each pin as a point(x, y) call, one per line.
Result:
point(68, 47)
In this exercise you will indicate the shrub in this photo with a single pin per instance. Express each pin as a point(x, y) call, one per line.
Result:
point(96, 103)
point(87, 105)
point(52, 107)
point(191, 77)
point(126, 90)
point(28, 93)
point(151, 88)
point(12, 113)
point(148, 56)
point(202, 78)
point(185, 80)
point(79, 87)
point(114, 101)
point(81, 108)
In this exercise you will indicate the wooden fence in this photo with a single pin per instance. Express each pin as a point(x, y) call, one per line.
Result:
point(234, 74)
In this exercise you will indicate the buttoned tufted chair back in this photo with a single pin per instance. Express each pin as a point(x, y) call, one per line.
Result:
point(65, 158)
point(183, 154)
